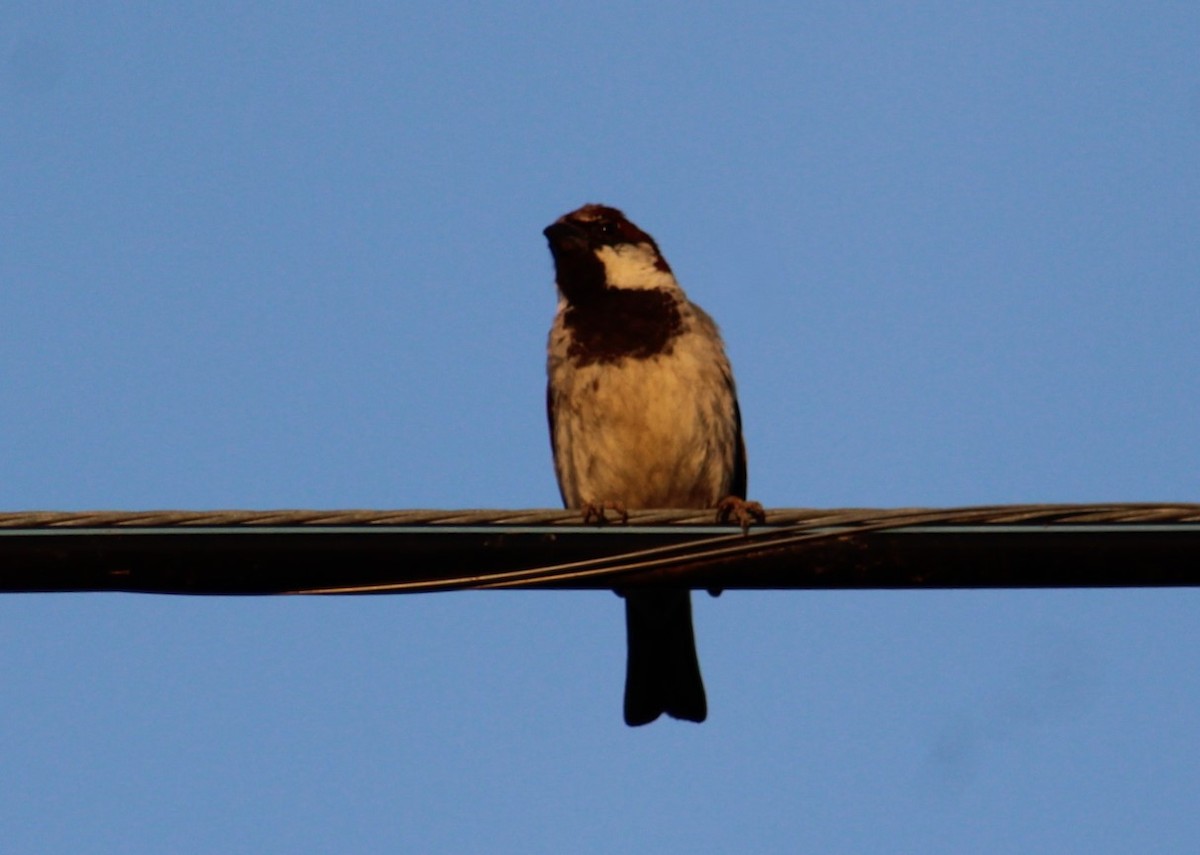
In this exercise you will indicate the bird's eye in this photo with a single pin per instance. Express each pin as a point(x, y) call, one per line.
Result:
point(610, 230)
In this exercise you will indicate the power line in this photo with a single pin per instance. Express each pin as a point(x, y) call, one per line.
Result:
point(408, 551)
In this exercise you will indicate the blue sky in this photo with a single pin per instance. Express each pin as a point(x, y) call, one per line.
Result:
point(290, 256)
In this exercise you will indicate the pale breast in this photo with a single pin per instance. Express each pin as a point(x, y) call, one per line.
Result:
point(652, 433)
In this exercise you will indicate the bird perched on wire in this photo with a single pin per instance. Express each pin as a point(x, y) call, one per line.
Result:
point(643, 414)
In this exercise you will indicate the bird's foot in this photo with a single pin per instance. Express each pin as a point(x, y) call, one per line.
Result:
point(744, 513)
point(594, 512)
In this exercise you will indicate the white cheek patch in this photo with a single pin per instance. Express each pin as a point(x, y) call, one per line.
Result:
point(635, 266)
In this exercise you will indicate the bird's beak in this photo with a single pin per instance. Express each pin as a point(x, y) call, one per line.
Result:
point(562, 233)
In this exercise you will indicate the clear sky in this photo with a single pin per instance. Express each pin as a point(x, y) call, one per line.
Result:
point(290, 255)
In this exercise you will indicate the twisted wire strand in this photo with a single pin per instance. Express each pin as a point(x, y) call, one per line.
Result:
point(785, 528)
point(1031, 514)
point(835, 526)
point(612, 566)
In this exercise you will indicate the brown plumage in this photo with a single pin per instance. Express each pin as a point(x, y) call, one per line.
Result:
point(643, 414)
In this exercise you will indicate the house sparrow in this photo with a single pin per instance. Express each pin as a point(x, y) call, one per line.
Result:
point(643, 414)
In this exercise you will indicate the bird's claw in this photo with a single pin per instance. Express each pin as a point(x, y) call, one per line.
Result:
point(744, 513)
point(593, 512)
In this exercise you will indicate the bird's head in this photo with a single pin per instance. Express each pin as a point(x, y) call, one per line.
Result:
point(597, 248)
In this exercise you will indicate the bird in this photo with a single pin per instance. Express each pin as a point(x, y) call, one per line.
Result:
point(643, 413)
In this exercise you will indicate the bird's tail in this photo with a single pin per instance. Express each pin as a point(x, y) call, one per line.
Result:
point(662, 674)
